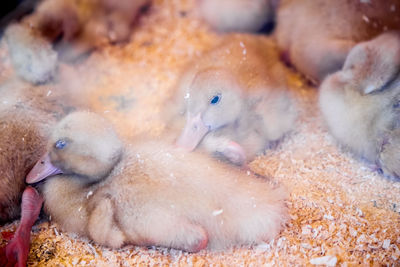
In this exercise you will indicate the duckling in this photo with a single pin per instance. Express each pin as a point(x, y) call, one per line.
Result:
point(33, 58)
point(236, 99)
point(237, 15)
point(316, 35)
point(99, 19)
point(91, 22)
point(360, 103)
point(26, 115)
point(150, 192)
point(73, 27)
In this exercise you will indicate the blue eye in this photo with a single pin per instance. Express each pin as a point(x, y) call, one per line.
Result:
point(215, 99)
point(60, 144)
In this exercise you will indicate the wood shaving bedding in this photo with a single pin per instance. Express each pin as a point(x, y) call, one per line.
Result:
point(342, 212)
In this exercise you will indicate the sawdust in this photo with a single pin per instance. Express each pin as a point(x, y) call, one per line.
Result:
point(341, 211)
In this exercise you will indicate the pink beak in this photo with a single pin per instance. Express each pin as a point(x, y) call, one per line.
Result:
point(194, 131)
point(42, 169)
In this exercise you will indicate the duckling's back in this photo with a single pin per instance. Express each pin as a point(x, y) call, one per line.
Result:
point(233, 206)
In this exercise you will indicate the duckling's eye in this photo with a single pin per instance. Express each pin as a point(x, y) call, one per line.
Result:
point(215, 99)
point(60, 144)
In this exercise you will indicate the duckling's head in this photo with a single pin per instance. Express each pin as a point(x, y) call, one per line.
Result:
point(371, 66)
point(213, 100)
point(82, 144)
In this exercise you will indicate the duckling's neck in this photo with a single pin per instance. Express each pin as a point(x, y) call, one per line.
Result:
point(67, 185)
point(87, 180)
point(117, 162)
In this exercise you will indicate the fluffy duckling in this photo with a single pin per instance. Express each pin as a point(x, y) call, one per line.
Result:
point(360, 103)
point(88, 21)
point(236, 99)
point(237, 15)
point(26, 115)
point(150, 193)
point(33, 58)
point(316, 35)
point(99, 18)
point(75, 28)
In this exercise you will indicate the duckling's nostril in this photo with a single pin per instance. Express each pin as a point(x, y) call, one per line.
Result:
point(42, 162)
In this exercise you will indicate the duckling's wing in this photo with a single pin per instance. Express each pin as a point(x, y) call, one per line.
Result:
point(102, 227)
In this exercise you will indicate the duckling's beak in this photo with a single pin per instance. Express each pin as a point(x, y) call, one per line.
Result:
point(194, 131)
point(42, 169)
